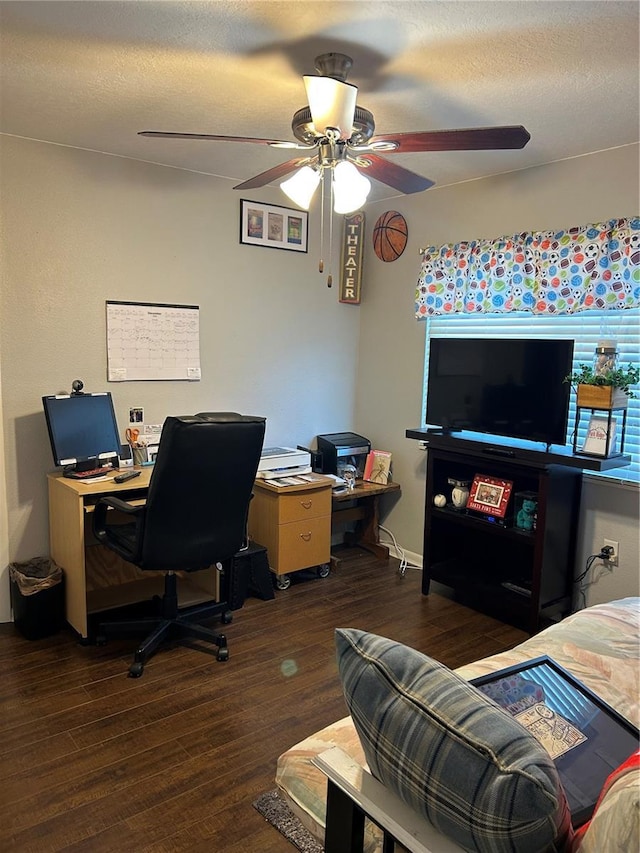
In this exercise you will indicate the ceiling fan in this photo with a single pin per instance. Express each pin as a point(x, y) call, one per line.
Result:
point(337, 135)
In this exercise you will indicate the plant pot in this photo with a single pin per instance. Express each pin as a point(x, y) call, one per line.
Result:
point(601, 397)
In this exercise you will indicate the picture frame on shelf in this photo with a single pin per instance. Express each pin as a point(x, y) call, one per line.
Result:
point(377, 468)
point(489, 495)
point(601, 436)
point(273, 226)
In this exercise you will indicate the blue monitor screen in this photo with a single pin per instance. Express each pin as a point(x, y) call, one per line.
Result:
point(82, 428)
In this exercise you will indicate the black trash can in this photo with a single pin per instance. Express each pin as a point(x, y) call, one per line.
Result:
point(37, 597)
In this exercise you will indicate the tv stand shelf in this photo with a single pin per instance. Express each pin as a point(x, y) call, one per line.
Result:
point(488, 447)
point(522, 577)
point(476, 522)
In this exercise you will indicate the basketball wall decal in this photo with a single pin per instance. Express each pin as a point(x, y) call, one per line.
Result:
point(390, 235)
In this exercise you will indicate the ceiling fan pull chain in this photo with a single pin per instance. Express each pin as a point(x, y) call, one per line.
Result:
point(321, 262)
point(329, 276)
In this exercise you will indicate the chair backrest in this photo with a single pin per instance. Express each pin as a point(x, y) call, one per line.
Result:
point(198, 499)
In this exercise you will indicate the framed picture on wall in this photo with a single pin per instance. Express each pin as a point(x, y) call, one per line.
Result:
point(273, 226)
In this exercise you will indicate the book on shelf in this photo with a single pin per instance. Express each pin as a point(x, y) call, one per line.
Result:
point(378, 467)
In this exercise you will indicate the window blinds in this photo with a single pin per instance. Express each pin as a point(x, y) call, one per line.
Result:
point(585, 329)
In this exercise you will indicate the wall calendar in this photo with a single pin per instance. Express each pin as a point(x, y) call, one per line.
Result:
point(149, 340)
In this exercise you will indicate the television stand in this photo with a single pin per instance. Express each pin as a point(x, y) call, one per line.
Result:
point(521, 576)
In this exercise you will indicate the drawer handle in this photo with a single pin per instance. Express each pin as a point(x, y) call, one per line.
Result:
point(306, 504)
point(306, 536)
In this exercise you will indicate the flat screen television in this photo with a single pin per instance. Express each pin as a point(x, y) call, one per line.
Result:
point(83, 430)
point(500, 386)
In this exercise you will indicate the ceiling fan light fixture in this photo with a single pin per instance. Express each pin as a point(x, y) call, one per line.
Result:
point(301, 186)
point(350, 188)
point(332, 104)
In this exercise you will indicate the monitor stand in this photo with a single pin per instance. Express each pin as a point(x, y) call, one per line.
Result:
point(87, 469)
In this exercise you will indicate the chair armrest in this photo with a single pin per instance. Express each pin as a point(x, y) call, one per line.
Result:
point(103, 506)
point(380, 804)
point(118, 503)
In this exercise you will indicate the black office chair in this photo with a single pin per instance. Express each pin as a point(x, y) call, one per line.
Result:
point(195, 517)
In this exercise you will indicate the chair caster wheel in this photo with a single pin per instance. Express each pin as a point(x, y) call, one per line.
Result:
point(227, 617)
point(101, 640)
point(283, 581)
point(323, 570)
point(223, 654)
point(136, 670)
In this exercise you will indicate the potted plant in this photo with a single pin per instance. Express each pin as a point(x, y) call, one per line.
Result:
point(609, 389)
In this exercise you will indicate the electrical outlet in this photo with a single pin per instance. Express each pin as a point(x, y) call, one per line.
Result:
point(613, 558)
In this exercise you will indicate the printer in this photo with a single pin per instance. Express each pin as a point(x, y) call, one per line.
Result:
point(283, 462)
point(337, 449)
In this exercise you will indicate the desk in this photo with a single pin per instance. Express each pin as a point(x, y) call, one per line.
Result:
point(365, 511)
point(96, 579)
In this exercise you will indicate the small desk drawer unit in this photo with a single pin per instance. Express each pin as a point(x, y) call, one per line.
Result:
point(293, 523)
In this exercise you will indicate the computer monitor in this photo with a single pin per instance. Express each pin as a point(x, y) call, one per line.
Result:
point(82, 429)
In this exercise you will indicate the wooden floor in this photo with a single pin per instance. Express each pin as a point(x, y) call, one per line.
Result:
point(95, 761)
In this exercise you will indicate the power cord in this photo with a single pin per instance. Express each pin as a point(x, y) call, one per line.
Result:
point(605, 552)
point(404, 562)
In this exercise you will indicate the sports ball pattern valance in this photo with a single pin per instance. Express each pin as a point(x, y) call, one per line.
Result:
point(545, 272)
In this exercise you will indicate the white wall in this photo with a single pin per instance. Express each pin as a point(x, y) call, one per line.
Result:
point(80, 228)
point(593, 188)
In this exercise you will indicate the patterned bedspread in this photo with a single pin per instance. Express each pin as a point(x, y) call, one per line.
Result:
point(600, 646)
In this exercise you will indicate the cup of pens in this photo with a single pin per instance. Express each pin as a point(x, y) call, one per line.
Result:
point(139, 454)
point(138, 449)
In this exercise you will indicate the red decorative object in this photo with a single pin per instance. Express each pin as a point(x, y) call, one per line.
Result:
point(390, 235)
point(489, 495)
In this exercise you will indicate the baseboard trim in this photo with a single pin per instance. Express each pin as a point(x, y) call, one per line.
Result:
point(410, 556)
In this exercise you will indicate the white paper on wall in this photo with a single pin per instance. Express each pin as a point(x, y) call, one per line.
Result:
point(147, 340)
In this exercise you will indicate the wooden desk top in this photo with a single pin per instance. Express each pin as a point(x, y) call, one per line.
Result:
point(317, 481)
point(364, 489)
point(103, 487)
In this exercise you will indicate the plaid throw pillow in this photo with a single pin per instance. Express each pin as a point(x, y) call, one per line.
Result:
point(450, 752)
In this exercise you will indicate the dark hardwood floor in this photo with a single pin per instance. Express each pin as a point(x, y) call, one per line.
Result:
point(94, 761)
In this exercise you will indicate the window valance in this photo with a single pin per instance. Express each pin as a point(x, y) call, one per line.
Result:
point(544, 272)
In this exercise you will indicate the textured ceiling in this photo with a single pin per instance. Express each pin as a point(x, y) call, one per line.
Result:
point(91, 74)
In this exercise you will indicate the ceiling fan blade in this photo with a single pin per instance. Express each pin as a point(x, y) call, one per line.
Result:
point(392, 175)
point(166, 135)
point(332, 104)
point(466, 139)
point(276, 172)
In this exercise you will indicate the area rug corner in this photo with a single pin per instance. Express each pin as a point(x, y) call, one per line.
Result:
point(274, 810)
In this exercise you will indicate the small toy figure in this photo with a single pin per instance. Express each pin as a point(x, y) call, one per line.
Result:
point(349, 473)
point(526, 519)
